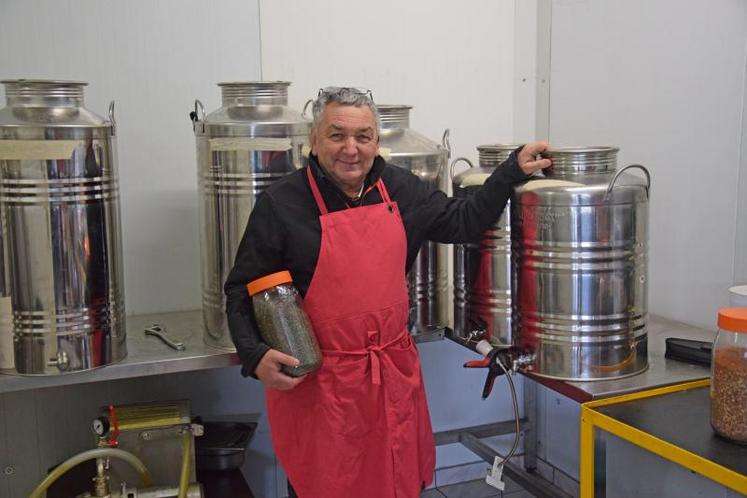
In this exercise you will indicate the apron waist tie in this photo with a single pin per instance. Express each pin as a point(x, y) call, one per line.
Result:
point(372, 351)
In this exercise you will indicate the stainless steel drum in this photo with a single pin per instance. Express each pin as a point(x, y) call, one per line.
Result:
point(427, 279)
point(482, 269)
point(61, 230)
point(579, 244)
point(242, 148)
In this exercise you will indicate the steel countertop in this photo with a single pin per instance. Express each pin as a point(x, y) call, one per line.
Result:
point(661, 371)
point(149, 356)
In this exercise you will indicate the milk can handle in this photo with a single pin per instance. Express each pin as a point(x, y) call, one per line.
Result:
point(111, 117)
point(198, 115)
point(446, 143)
point(451, 170)
point(305, 107)
point(620, 172)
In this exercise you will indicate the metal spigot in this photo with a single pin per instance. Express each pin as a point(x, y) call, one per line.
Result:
point(498, 360)
point(522, 360)
point(101, 480)
point(477, 334)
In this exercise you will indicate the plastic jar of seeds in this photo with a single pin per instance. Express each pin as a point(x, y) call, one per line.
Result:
point(729, 375)
point(282, 322)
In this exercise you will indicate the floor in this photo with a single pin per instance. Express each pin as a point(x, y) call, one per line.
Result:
point(477, 489)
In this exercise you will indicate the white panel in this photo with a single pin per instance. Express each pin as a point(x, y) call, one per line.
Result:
point(153, 59)
point(454, 392)
point(454, 395)
point(56, 427)
point(532, 69)
point(665, 81)
point(5, 462)
point(22, 439)
point(543, 399)
point(740, 254)
point(452, 62)
point(562, 416)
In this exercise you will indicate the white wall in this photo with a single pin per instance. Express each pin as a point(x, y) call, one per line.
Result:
point(740, 251)
point(453, 63)
point(153, 59)
point(665, 81)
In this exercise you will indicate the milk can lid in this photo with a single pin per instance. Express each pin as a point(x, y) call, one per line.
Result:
point(271, 280)
point(733, 319)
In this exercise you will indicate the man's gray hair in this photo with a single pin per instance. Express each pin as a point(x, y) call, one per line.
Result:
point(343, 96)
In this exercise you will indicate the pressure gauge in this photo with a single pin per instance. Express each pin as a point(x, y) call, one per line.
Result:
point(100, 426)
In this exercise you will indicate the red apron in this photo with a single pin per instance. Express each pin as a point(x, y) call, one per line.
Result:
point(358, 426)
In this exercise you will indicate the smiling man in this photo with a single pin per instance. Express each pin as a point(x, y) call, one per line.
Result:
point(348, 227)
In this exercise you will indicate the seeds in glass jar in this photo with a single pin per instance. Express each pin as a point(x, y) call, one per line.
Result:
point(729, 393)
point(284, 326)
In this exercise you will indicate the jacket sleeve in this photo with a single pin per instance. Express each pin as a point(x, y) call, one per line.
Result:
point(453, 220)
point(259, 254)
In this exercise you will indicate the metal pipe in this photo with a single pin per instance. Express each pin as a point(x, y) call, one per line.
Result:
point(145, 477)
point(186, 453)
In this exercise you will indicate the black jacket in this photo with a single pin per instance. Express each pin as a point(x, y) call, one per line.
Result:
point(284, 233)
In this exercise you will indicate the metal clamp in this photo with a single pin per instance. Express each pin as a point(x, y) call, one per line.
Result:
point(111, 118)
point(451, 169)
point(168, 432)
point(305, 107)
point(620, 172)
point(198, 116)
point(446, 143)
point(158, 330)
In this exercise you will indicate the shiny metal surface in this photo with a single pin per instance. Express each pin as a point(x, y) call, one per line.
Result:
point(579, 249)
point(482, 269)
point(154, 431)
point(61, 230)
point(661, 371)
point(427, 279)
point(193, 491)
point(147, 357)
point(242, 148)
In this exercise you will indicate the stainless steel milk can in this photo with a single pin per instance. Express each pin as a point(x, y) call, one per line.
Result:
point(579, 248)
point(427, 279)
point(482, 268)
point(242, 148)
point(62, 281)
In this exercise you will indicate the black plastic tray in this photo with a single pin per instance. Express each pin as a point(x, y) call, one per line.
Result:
point(223, 445)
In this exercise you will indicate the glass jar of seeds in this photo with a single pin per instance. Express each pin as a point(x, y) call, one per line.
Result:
point(729, 375)
point(282, 322)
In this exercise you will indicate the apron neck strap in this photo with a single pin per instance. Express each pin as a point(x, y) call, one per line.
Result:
point(320, 201)
point(315, 190)
point(383, 191)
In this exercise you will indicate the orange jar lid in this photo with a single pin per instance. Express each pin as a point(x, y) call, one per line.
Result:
point(271, 280)
point(733, 319)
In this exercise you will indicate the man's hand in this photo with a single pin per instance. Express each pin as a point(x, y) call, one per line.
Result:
point(268, 371)
point(528, 161)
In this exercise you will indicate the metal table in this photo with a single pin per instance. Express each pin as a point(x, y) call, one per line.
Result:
point(145, 355)
point(686, 439)
point(661, 372)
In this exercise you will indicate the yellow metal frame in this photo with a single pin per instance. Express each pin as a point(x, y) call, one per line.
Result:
point(591, 419)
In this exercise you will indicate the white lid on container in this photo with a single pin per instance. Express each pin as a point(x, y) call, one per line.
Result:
point(738, 296)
